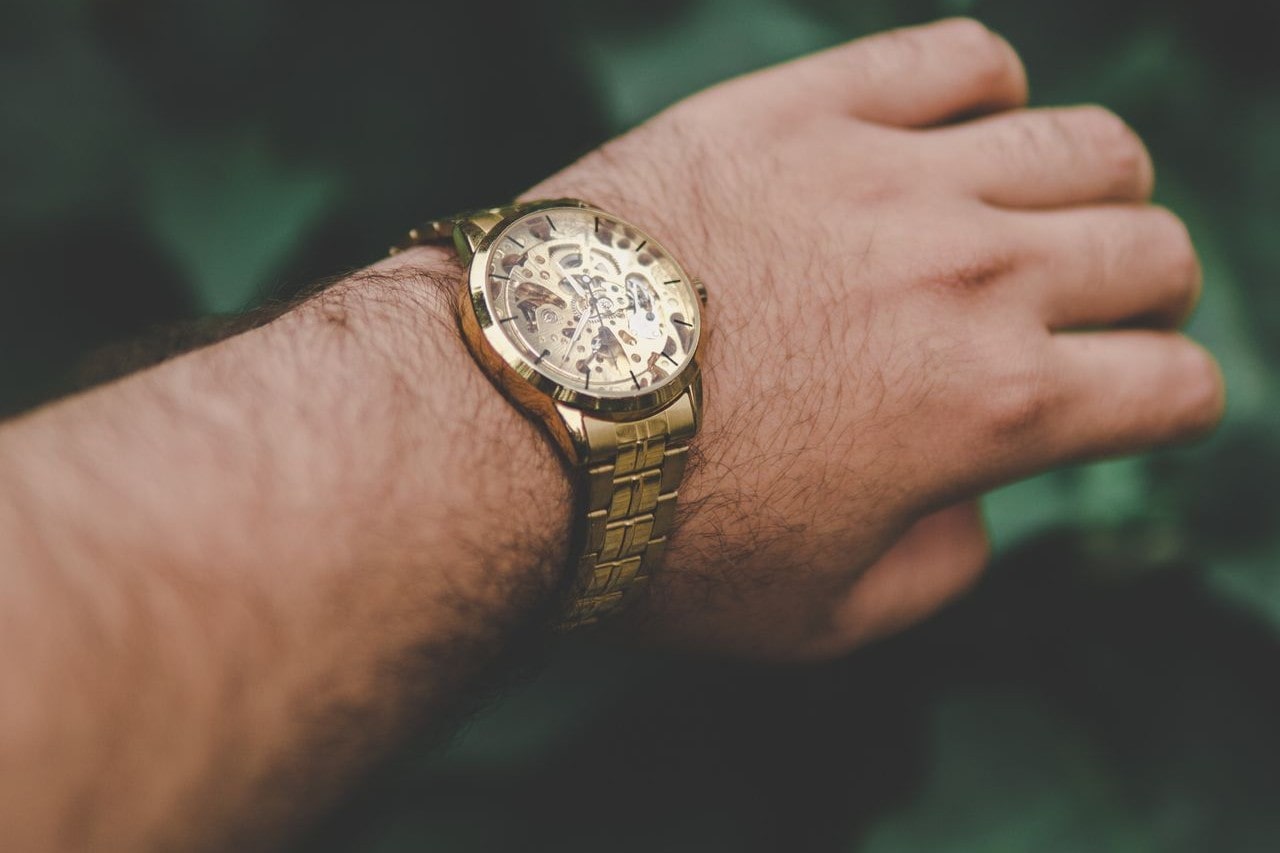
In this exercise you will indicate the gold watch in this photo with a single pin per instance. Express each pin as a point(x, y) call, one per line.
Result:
point(592, 328)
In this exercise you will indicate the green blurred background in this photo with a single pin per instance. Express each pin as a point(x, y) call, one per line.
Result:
point(1112, 685)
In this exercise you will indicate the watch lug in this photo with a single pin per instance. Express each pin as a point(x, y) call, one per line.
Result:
point(463, 247)
point(471, 229)
point(695, 400)
point(573, 439)
point(466, 236)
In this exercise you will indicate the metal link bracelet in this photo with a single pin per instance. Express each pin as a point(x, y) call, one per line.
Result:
point(631, 470)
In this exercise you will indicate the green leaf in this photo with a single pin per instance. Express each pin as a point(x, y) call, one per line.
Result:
point(639, 73)
point(230, 213)
point(1025, 508)
point(72, 129)
point(1251, 581)
point(1009, 774)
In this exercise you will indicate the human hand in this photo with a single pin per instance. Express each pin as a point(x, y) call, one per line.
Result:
point(919, 291)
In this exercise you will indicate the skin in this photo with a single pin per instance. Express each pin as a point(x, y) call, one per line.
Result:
point(233, 579)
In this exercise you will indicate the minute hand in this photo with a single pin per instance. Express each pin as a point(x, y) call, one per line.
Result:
point(577, 333)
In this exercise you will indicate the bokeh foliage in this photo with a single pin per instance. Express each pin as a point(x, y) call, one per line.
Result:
point(1109, 687)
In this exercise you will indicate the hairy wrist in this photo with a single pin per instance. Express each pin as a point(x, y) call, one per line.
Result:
point(327, 520)
point(455, 455)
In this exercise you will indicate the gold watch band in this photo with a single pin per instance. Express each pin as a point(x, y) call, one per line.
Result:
point(630, 470)
point(463, 230)
point(633, 473)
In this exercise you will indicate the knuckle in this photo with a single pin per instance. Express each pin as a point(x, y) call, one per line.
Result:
point(1098, 249)
point(1175, 243)
point(1020, 399)
point(970, 34)
point(1177, 255)
point(889, 51)
point(1102, 124)
point(1032, 140)
point(1110, 137)
point(981, 56)
point(1029, 141)
point(973, 277)
point(992, 59)
point(1021, 140)
point(1204, 391)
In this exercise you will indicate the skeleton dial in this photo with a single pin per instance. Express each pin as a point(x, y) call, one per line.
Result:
point(591, 302)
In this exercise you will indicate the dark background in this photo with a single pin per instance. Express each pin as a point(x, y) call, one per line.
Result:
point(1112, 686)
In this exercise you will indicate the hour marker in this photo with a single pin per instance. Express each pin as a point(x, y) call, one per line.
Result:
point(587, 384)
point(517, 242)
point(505, 319)
point(673, 281)
point(681, 322)
point(503, 277)
point(643, 243)
point(597, 223)
point(545, 353)
point(669, 358)
point(552, 224)
point(633, 378)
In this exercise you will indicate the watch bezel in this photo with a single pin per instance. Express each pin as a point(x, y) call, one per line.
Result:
point(505, 360)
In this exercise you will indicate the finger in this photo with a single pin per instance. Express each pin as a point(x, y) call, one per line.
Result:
point(1129, 391)
point(1048, 157)
point(1111, 265)
point(937, 559)
point(909, 77)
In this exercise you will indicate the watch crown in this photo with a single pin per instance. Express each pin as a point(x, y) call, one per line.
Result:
point(701, 290)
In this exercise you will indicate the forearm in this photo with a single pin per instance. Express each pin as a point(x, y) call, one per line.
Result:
point(255, 561)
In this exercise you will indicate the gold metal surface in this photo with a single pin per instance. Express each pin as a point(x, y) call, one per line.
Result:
point(639, 403)
point(631, 448)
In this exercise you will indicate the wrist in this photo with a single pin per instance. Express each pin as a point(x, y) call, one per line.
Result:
point(453, 454)
point(332, 517)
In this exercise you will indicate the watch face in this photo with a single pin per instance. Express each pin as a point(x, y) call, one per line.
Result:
point(591, 302)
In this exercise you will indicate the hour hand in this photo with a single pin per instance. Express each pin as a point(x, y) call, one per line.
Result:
point(577, 333)
point(571, 276)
